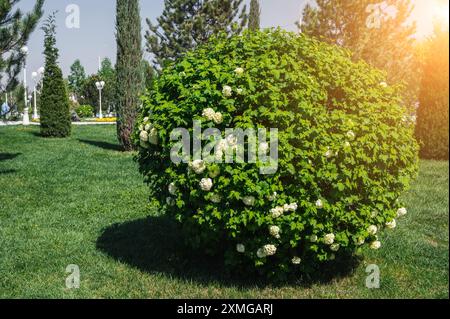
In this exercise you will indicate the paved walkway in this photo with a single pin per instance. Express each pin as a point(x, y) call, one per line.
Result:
point(73, 123)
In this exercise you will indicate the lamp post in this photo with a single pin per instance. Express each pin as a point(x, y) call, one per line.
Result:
point(26, 117)
point(37, 78)
point(100, 85)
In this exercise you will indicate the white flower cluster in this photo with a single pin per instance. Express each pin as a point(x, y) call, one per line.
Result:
point(249, 200)
point(319, 204)
point(329, 239)
point(335, 247)
point(239, 71)
point(240, 248)
point(212, 115)
point(392, 224)
point(296, 260)
point(272, 197)
point(266, 251)
point(206, 184)
point(227, 91)
point(375, 245)
point(280, 210)
point(230, 142)
point(329, 153)
point(290, 207)
point(198, 166)
point(275, 231)
point(173, 189)
point(216, 198)
point(402, 212)
point(372, 230)
point(148, 133)
point(170, 201)
point(351, 135)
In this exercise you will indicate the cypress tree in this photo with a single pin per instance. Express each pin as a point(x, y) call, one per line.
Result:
point(254, 16)
point(55, 109)
point(129, 71)
point(15, 30)
point(185, 24)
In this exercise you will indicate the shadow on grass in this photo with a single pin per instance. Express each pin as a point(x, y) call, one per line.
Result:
point(104, 145)
point(8, 156)
point(7, 171)
point(155, 245)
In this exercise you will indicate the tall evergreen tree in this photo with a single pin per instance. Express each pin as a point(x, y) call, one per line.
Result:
point(76, 77)
point(379, 33)
point(184, 24)
point(55, 110)
point(254, 18)
point(433, 113)
point(129, 71)
point(15, 30)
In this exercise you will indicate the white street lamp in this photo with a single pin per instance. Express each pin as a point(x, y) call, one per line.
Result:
point(36, 78)
point(26, 117)
point(100, 85)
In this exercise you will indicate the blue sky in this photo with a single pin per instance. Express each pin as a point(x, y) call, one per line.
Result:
point(95, 37)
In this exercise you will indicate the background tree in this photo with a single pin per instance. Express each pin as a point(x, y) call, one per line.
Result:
point(433, 113)
point(254, 16)
point(15, 30)
point(149, 75)
point(55, 110)
point(184, 24)
point(76, 78)
point(89, 92)
point(379, 33)
point(107, 73)
point(129, 71)
point(16, 98)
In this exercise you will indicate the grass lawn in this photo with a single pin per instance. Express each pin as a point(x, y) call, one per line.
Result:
point(81, 201)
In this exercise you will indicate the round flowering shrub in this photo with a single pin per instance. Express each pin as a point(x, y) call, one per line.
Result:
point(346, 151)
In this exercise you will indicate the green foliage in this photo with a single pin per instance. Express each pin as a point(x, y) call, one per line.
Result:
point(15, 30)
point(76, 78)
point(185, 24)
point(432, 116)
point(85, 111)
point(89, 92)
point(149, 75)
point(384, 39)
point(129, 85)
point(254, 16)
point(342, 140)
point(55, 107)
point(17, 98)
point(107, 74)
